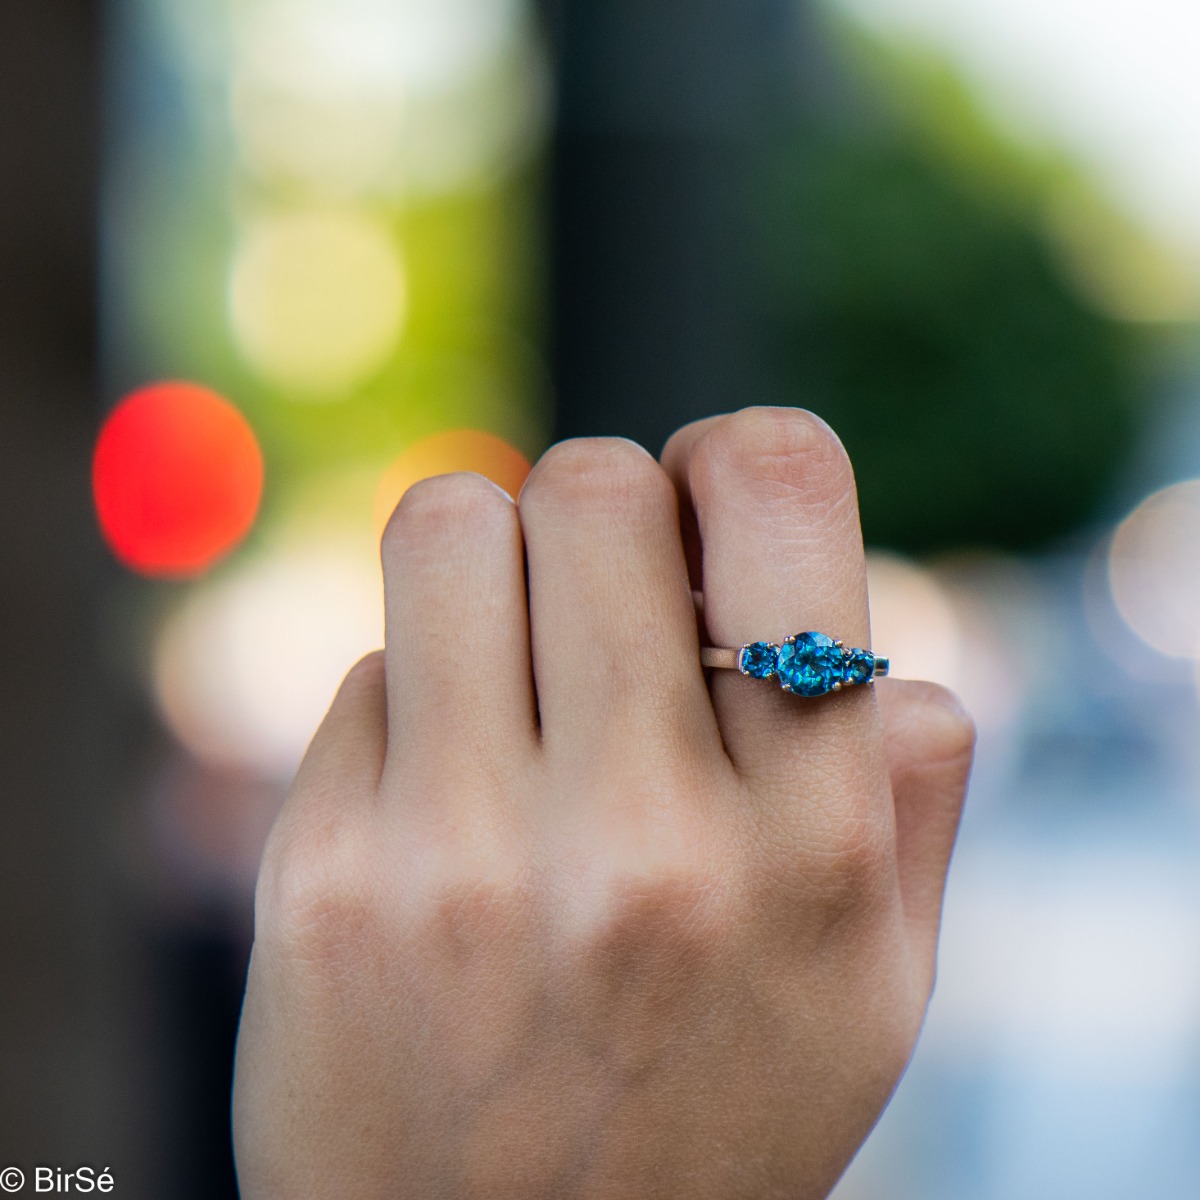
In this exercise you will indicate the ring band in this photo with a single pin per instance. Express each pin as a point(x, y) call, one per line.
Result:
point(807, 664)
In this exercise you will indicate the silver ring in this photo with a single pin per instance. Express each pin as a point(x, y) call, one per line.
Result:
point(806, 664)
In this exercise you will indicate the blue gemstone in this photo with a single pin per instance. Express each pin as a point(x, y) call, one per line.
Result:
point(810, 664)
point(759, 660)
point(859, 666)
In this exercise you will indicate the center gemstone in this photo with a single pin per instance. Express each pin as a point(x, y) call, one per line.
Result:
point(810, 664)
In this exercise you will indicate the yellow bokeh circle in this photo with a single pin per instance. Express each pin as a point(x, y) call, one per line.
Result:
point(317, 300)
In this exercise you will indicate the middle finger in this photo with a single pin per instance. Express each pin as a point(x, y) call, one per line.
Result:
point(613, 627)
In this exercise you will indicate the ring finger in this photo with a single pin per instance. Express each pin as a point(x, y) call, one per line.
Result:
point(773, 496)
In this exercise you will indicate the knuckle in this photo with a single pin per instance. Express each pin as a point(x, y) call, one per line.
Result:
point(845, 868)
point(661, 941)
point(366, 676)
point(950, 729)
point(471, 916)
point(784, 448)
point(606, 472)
point(679, 444)
point(856, 864)
point(857, 845)
point(314, 897)
point(675, 913)
point(444, 506)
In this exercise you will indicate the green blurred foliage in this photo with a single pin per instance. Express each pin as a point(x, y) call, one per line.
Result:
point(917, 302)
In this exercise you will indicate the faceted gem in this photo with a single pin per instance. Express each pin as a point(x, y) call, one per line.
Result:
point(810, 664)
point(859, 666)
point(758, 660)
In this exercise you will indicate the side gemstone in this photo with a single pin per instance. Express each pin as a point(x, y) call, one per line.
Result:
point(759, 660)
point(859, 666)
point(810, 664)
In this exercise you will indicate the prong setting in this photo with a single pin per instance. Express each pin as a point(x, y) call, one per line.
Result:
point(806, 664)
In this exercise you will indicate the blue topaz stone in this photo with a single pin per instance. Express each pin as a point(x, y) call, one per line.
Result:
point(759, 660)
point(859, 667)
point(810, 664)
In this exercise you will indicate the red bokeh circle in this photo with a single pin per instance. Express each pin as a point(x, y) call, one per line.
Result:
point(177, 477)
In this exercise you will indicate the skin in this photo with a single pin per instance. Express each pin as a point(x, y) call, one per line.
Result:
point(549, 914)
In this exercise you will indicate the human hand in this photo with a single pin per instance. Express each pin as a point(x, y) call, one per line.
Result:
point(545, 914)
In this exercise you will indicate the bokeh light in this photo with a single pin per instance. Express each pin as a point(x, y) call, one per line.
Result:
point(1154, 570)
point(1108, 629)
point(1003, 634)
point(317, 92)
point(177, 477)
point(913, 620)
point(246, 667)
point(402, 46)
point(340, 144)
point(367, 96)
point(329, 109)
point(317, 300)
point(443, 453)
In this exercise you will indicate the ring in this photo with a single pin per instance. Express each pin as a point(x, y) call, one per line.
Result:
point(808, 664)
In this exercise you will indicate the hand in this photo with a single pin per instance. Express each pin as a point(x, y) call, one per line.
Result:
point(546, 914)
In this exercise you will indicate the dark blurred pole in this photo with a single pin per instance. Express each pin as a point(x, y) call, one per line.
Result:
point(65, 1095)
point(662, 110)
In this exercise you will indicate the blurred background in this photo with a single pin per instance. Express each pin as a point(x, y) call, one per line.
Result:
point(264, 263)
